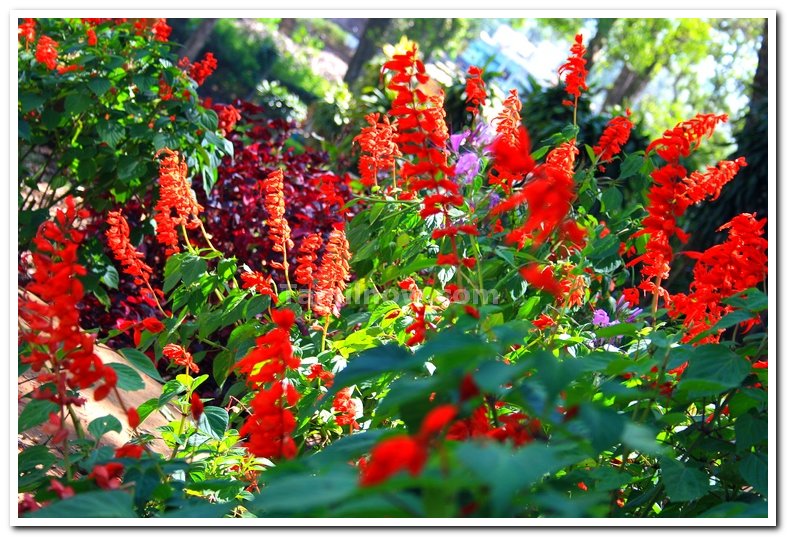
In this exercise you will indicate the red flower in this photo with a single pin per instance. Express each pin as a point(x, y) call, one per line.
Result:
point(631, 295)
point(260, 283)
point(699, 186)
point(435, 421)
point(307, 255)
point(614, 137)
point(473, 312)
point(378, 142)
point(318, 372)
point(544, 321)
point(278, 228)
point(46, 51)
point(161, 30)
point(475, 88)
point(417, 328)
point(391, 456)
point(228, 117)
point(27, 31)
point(132, 451)
point(119, 242)
point(180, 356)
point(543, 279)
point(61, 490)
point(447, 259)
point(197, 408)
point(203, 69)
point(272, 354)
point(107, 476)
point(332, 275)
point(575, 70)
point(92, 40)
point(345, 408)
point(175, 194)
point(133, 417)
point(581, 486)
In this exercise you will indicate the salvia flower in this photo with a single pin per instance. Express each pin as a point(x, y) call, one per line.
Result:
point(119, 242)
point(575, 71)
point(161, 30)
point(332, 275)
point(377, 141)
point(180, 356)
point(615, 136)
point(175, 196)
point(278, 227)
point(201, 70)
point(46, 52)
point(475, 88)
point(307, 256)
point(27, 31)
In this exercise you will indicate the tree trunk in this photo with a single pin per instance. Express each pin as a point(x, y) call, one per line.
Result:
point(198, 38)
point(603, 27)
point(628, 85)
point(368, 46)
point(759, 86)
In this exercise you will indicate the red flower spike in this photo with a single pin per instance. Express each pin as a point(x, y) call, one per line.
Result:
point(390, 457)
point(475, 89)
point(180, 356)
point(615, 135)
point(46, 52)
point(332, 276)
point(197, 407)
point(574, 69)
point(133, 418)
point(201, 70)
point(435, 421)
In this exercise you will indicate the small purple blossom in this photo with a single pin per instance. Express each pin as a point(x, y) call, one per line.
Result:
point(456, 140)
point(494, 199)
point(468, 165)
point(600, 318)
point(633, 314)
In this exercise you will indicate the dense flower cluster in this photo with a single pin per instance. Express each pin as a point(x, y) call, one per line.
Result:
point(175, 194)
point(332, 275)
point(269, 428)
point(180, 356)
point(377, 142)
point(575, 71)
point(345, 408)
point(201, 70)
point(475, 88)
point(668, 198)
point(278, 227)
point(119, 242)
point(46, 51)
point(615, 135)
point(60, 352)
point(737, 264)
point(405, 452)
point(228, 117)
point(511, 147)
point(27, 31)
point(306, 270)
point(259, 282)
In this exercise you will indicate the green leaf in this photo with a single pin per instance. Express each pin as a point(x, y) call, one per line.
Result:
point(201, 509)
point(750, 430)
point(712, 369)
point(34, 456)
point(193, 267)
point(737, 510)
point(372, 363)
point(298, 493)
point(35, 413)
point(172, 272)
point(110, 132)
point(620, 329)
point(612, 199)
point(76, 103)
point(601, 425)
point(147, 408)
point(101, 426)
point(683, 483)
point(99, 86)
point(30, 101)
point(110, 278)
point(452, 348)
point(128, 379)
point(141, 362)
point(754, 469)
point(214, 421)
point(98, 504)
point(222, 365)
point(630, 166)
point(752, 300)
point(641, 438)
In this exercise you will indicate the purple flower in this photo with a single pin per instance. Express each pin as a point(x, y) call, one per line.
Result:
point(600, 318)
point(468, 165)
point(633, 315)
point(456, 140)
point(494, 199)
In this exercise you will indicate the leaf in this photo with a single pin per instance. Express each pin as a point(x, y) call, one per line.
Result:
point(110, 277)
point(683, 483)
point(298, 493)
point(751, 299)
point(750, 430)
point(222, 365)
point(612, 199)
point(98, 504)
point(110, 132)
point(372, 363)
point(350, 447)
point(737, 510)
point(201, 509)
point(35, 413)
point(193, 267)
point(601, 425)
point(128, 379)
point(99, 86)
point(754, 469)
point(452, 348)
point(214, 421)
point(76, 103)
point(630, 166)
point(34, 456)
point(101, 426)
point(712, 369)
point(620, 329)
point(147, 408)
point(641, 438)
point(30, 101)
point(141, 362)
